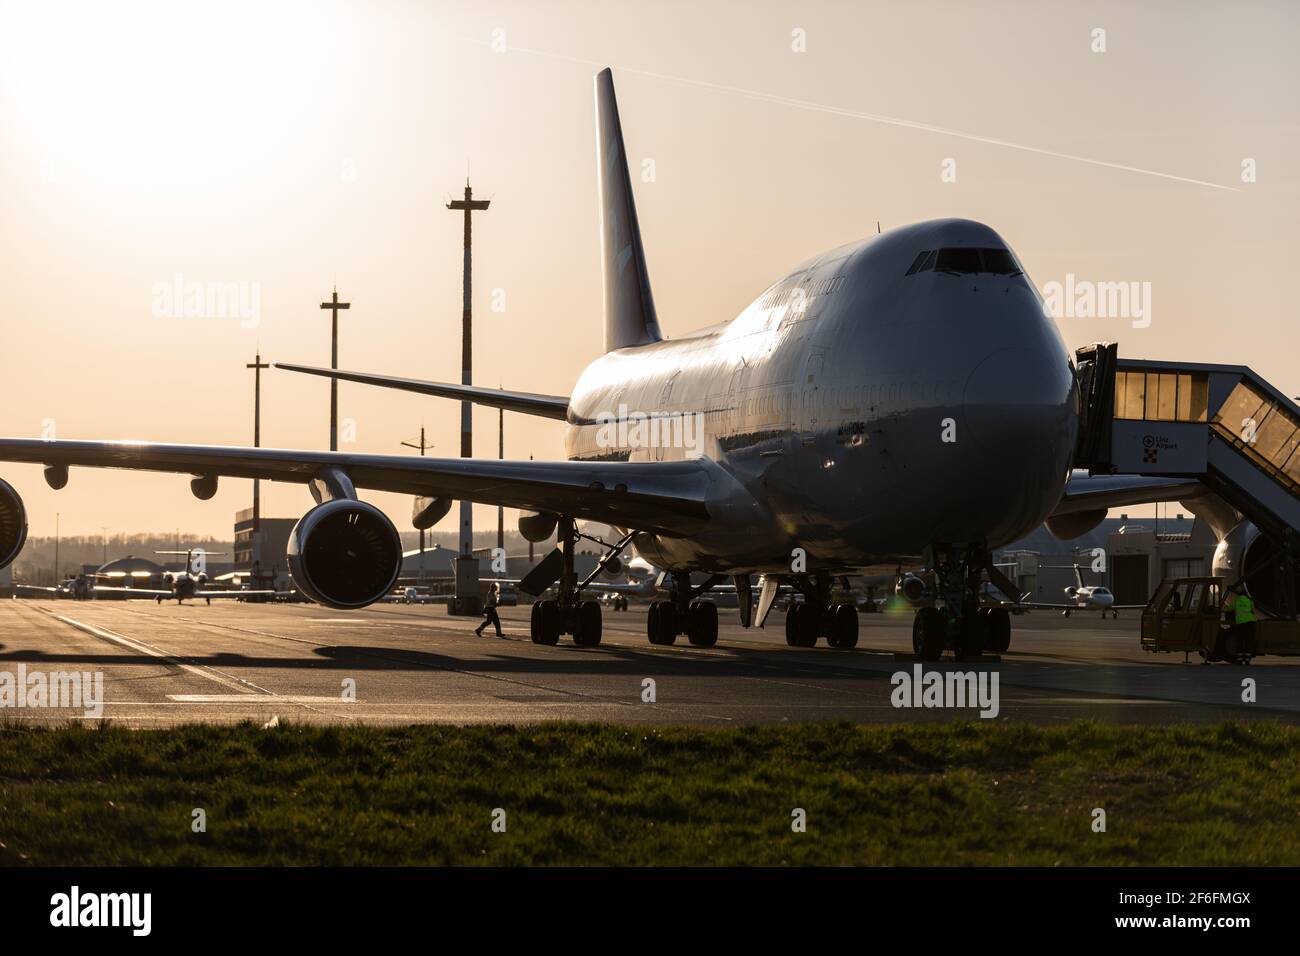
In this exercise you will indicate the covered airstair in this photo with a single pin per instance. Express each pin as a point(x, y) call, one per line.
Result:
point(1221, 424)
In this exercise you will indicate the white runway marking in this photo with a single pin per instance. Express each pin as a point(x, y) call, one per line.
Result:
point(245, 698)
point(246, 690)
point(143, 648)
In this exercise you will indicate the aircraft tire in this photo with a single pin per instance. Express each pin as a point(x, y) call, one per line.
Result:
point(973, 637)
point(587, 633)
point(548, 623)
point(702, 624)
point(843, 630)
point(929, 629)
point(801, 626)
point(661, 623)
point(999, 630)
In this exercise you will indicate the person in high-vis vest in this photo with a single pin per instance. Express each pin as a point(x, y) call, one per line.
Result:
point(1243, 617)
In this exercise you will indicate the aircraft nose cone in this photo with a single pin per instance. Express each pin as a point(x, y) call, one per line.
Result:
point(1016, 403)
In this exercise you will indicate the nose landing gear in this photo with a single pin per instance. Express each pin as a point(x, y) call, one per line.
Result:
point(961, 624)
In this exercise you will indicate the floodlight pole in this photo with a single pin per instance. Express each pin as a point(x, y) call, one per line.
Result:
point(466, 599)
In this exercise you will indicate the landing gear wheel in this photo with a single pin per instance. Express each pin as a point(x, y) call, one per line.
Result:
point(929, 631)
point(843, 631)
point(802, 622)
point(546, 622)
point(702, 623)
point(588, 621)
point(998, 630)
point(661, 623)
point(970, 641)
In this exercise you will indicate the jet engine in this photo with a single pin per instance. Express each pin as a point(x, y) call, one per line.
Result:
point(1248, 555)
point(13, 524)
point(345, 554)
point(911, 587)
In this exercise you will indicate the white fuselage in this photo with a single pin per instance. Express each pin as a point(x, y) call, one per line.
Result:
point(862, 412)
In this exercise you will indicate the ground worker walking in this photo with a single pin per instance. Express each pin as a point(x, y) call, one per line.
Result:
point(1243, 618)
point(490, 611)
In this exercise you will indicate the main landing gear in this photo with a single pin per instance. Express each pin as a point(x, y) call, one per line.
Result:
point(569, 614)
point(684, 613)
point(818, 617)
point(961, 625)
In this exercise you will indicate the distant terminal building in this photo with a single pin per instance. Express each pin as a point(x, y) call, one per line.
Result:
point(1136, 557)
point(7, 581)
point(1139, 558)
point(134, 572)
point(259, 552)
point(130, 572)
point(435, 567)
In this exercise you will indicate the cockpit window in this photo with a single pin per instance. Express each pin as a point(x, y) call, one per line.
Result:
point(1000, 262)
point(965, 261)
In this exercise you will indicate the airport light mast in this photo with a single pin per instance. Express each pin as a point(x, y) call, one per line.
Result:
point(466, 599)
point(334, 305)
point(257, 365)
point(501, 456)
point(422, 446)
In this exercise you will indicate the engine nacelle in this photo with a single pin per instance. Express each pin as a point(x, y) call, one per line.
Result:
point(345, 554)
point(13, 524)
point(1069, 526)
point(911, 588)
point(537, 526)
point(1247, 555)
point(427, 512)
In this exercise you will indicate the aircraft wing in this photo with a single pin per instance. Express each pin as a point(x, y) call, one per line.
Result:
point(1084, 492)
point(1042, 606)
point(662, 496)
point(135, 592)
point(529, 403)
point(214, 595)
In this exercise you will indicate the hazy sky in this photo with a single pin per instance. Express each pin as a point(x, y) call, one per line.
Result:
point(293, 146)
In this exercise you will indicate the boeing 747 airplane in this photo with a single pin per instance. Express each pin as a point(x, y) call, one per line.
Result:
point(787, 441)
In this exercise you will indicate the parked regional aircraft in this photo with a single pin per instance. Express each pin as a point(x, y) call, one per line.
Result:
point(787, 440)
point(190, 583)
point(1082, 597)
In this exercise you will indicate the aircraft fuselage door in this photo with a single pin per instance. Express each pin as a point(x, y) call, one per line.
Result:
point(1095, 372)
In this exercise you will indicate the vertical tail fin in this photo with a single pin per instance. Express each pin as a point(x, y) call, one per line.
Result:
point(629, 307)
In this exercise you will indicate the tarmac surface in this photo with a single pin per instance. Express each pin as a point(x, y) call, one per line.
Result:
point(169, 664)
